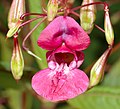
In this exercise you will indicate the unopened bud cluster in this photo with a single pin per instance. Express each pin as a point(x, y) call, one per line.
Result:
point(17, 62)
point(98, 69)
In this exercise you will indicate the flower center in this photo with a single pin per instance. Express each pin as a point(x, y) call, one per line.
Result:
point(64, 58)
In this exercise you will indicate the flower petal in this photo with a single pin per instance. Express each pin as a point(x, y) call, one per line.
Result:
point(59, 86)
point(64, 29)
point(50, 37)
point(80, 58)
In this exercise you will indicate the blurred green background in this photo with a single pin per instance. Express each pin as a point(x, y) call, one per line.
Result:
point(20, 95)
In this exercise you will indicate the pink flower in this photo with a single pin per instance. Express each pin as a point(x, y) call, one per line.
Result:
point(62, 79)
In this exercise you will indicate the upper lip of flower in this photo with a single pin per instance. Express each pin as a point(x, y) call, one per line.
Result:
point(64, 30)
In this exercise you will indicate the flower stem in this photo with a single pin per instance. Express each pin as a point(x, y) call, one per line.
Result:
point(28, 35)
point(29, 14)
point(24, 100)
point(29, 21)
point(99, 28)
point(94, 3)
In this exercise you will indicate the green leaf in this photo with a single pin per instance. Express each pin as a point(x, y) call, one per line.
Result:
point(98, 98)
point(36, 103)
point(5, 48)
point(14, 97)
point(5, 65)
point(2, 107)
point(105, 96)
point(37, 8)
point(113, 77)
point(65, 107)
point(7, 81)
point(18, 99)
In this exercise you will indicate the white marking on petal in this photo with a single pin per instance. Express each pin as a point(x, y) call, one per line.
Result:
point(60, 67)
point(66, 69)
point(72, 65)
point(52, 65)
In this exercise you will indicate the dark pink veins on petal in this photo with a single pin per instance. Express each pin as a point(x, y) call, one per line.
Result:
point(58, 85)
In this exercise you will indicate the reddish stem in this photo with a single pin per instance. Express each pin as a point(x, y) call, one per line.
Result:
point(116, 47)
point(94, 3)
point(29, 14)
point(74, 13)
point(24, 100)
point(23, 44)
point(99, 28)
point(29, 21)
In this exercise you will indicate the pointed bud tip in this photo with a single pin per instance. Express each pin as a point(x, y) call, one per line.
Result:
point(17, 80)
point(17, 61)
point(109, 32)
point(97, 71)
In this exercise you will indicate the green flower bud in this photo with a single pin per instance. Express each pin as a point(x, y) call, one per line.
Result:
point(87, 16)
point(13, 29)
point(109, 33)
point(16, 10)
point(97, 71)
point(17, 62)
point(52, 9)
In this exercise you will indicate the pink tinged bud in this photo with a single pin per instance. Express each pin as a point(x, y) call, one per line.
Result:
point(64, 29)
point(97, 71)
point(70, 3)
point(62, 80)
point(87, 16)
point(17, 62)
point(52, 9)
point(109, 33)
point(16, 10)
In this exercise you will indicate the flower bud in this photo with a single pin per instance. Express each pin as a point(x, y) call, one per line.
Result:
point(109, 33)
point(97, 71)
point(70, 3)
point(87, 16)
point(17, 62)
point(52, 9)
point(13, 29)
point(16, 10)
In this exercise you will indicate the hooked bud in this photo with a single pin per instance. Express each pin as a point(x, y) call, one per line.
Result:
point(13, 29)
point(16, 10)
point(87, 16)
point(109, 33)
point(52, 9)
point(17, 61)
point(97, 71)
